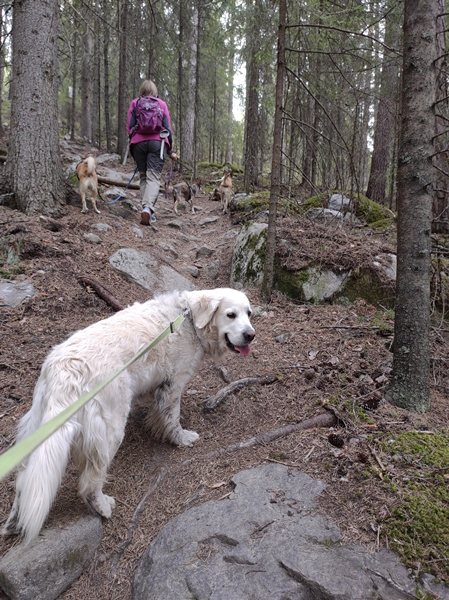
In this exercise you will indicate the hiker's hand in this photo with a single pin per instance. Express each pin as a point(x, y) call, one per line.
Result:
point(174, 156)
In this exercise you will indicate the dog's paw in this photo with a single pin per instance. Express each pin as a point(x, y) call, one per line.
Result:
point(102, 504)
point(85, 210)
point(98, 211)
point(186, 438)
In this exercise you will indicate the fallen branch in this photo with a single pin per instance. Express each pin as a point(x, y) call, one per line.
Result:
point(326, 419)
point(212, 402)
point(118, 182)
point(102, 292)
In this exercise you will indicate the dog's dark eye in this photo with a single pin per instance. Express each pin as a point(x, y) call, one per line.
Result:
point(232, 315)
point(250, 312)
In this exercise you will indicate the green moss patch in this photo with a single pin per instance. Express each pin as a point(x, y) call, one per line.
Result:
point(418, 528)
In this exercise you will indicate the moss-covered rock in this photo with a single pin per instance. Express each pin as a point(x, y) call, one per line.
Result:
point(249, 255)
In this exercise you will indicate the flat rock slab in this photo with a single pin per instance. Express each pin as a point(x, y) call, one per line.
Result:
point(265, 542)
point(48, 565)
point(13, 293)
point(147, 271)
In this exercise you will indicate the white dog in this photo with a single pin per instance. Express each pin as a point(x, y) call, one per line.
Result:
point(216, 320)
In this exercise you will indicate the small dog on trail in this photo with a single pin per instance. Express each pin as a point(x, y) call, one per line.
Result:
point(186, 192)
point(216, 321)
point(87, 175)
point(226, 190)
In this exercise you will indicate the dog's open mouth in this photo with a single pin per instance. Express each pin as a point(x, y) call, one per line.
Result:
point(243, 350)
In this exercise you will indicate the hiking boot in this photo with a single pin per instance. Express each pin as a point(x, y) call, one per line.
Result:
point(147, 216)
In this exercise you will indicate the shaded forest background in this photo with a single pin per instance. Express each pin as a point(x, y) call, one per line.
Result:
point(215, 61)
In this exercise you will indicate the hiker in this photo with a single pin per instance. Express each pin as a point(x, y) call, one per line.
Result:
point(150, 139)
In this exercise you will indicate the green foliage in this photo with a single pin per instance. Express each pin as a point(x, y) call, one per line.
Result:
point(418, 528)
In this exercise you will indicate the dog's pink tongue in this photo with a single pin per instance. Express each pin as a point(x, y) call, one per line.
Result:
point(244, 350)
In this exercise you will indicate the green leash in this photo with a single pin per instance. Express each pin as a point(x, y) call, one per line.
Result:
point(15, 455)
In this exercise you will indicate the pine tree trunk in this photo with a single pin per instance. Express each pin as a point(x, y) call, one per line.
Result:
point(267, 284)
point(107, 114)
point(189, 68)
point(441, 158)
point(122, 136)
point(411, 362)
point(33, 168)
point(86, 86)
point(385, 130)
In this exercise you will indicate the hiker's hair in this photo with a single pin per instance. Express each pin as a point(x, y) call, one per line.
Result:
point(148, 88)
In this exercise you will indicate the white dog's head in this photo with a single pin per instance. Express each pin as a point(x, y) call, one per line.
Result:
point(221, 319)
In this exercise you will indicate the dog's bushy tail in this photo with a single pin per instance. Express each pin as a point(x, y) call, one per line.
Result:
point(90, 160)
point(40, 476)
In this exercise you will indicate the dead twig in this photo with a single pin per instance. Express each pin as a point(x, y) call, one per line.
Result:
point(326, 419)
point(102, 292)
point(118, 553)
point(211, 403)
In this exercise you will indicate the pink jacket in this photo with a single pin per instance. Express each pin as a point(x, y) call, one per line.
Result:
point(138, 137)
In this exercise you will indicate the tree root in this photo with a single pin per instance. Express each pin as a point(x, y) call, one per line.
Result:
point(212, 402)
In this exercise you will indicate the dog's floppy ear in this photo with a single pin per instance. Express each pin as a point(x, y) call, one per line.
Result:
point(203, 306)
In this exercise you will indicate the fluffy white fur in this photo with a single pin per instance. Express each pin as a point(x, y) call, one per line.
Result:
point(216, 320)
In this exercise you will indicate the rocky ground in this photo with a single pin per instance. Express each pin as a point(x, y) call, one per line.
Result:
point(323, 357)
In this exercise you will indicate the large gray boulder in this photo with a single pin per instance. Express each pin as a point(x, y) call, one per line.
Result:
point(48, 565)
point(249, 255)
point(265, 542)
point(147, 271)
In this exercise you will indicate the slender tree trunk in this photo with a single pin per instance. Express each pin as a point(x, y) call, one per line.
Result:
point(86, 86)
point(107, 114)
point(441, 159)
point(267, 283)
point(2, 67)
point(189, 67)
point(74, 63)
point(230, 94)
point(122, 136)
point(33, 167)
point(411, 363)
point(385, 119)
point(252, 134)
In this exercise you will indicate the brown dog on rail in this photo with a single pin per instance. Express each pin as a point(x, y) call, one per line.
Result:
point(87, 175)
point(226, 190)
point(186, 192)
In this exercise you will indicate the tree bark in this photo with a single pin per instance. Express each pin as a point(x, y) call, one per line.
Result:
point(122, 136)
point(441, 195)
point(411, 362)
point(268, 275)
point(86, 85)
point(33, 168)
point(385, 120)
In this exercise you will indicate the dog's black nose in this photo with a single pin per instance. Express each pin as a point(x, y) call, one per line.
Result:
point(249, 337)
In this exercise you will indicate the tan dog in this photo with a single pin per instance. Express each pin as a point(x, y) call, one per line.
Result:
point(226, 190)
point(87, 176)
point(186, 192)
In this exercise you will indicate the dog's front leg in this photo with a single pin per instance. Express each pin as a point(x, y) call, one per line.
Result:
point(164, 414)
